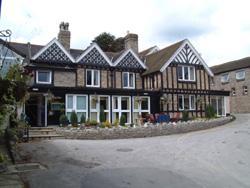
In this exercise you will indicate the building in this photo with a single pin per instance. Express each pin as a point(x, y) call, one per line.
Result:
point(234, 76)
point(128, 83)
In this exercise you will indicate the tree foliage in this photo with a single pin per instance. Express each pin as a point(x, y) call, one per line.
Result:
point(109, 43)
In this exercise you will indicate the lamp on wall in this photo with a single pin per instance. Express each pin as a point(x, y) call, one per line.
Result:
point(138, 99)
point(165, 99)
point(94, 98)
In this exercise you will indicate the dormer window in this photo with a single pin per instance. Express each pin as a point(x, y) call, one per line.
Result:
point(186, 73)
point(43, 77)
point(224, 78)
point(240, 75)
point(92, 78)
point(128, 80)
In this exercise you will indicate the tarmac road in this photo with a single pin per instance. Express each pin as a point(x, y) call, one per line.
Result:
point(218, 157)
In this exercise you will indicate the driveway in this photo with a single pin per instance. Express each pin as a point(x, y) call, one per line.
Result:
point(218, 157)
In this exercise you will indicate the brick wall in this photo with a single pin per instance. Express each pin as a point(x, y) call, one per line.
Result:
point(66, 79)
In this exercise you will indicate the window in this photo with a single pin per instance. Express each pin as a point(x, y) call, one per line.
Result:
point(233, 91)
point(121, 106)
point(99, 102)
point(141, 106)
point(245, 91)
point(224, 78)
point(93, 78)
point(43, 77)
point(240, 75)
point(77, 103)
point(186, 102)
point(128, 80)
point(186, 73)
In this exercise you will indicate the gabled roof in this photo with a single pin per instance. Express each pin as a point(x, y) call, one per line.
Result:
point(155, 61)
point(134, 60)
point(94, 46)
point(160, 60)
point(56, 43)
point(149, 51)
point(231, 65)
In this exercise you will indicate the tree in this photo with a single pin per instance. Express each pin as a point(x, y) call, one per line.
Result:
point(108, 42)
point(105, 41)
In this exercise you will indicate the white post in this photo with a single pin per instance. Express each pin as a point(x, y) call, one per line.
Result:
point(45, 111)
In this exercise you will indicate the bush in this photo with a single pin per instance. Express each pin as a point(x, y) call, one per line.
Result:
point(107, 124)
point(185, 116)
point(73, 119)
point(93, 123)
point(102, 115)
point(210, 112)
point(83, 119)
point(123, 120)
point(63, 120)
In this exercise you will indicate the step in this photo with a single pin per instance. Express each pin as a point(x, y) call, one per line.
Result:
point(40, 137)
point(41, 128)
point(41, 132)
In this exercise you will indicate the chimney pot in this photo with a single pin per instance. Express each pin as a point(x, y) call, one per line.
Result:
point(64, 35)
point(131, 42)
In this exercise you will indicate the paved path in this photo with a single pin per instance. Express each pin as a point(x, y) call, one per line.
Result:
point(218, 157)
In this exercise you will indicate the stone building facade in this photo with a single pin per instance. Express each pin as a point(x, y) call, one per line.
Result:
point(234, 76)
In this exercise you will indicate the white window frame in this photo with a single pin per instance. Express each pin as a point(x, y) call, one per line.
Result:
point(98, 107)
point(128, 87)
point(75, 105)
point(189, 102)
point(222, 76)
point(183, 73)
point(119, 109)
point(41, 82)
point(140, 110)
point(92, 78)
point(237, 72)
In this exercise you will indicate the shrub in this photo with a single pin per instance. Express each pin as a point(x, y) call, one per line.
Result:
point(102, 115)
point(93, 123)
point(63, 119)
point(83, 119)
point(107, 124)
point(185, 116)
point(123, 120)
point(210, 112)
point(73, 119)
point(116, 123)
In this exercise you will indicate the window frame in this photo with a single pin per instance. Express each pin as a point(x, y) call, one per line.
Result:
point(189, 102)
point(183, 67)
point(226, 81)
point(128, 76)
point(92, 78)
point(42, 82)
point(243, 78)
point(245, 90)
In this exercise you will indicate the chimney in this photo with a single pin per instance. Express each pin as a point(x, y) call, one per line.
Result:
point(64, 35)
point(131, 42)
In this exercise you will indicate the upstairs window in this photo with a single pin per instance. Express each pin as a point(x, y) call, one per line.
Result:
point(43, 77)
point(186, 73)
point(245, 91)
point(240, 75)
point(233, 91)
point(128, 80)
point(92, 78)
point(224, 78)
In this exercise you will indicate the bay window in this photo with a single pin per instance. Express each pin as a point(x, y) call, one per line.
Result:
point(77, 103)
point(186, 73)
point(92, 78)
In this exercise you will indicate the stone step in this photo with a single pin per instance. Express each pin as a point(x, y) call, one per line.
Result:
point(41, 128)
point(41, 137)
point(41, 132)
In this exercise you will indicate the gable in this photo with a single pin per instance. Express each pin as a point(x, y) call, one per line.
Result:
point(94, 56)
point(186, 54)
point(129, 60)
point(53, 52)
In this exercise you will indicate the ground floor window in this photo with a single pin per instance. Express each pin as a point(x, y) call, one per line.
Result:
point(121, 106)
point(141, 107)
point(218, 103)
point(98, 102)
point(186, 102)
point(77, 103)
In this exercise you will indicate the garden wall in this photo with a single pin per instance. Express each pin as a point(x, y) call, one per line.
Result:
point(140, 132)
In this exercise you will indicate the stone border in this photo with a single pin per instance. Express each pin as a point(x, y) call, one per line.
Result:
point(141, 132)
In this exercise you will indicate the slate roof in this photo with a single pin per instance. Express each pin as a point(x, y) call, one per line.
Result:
point(155, 61)
point(232, 65)
point(145, 52)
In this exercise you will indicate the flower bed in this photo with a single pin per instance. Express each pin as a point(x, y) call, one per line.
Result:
point(139, 132)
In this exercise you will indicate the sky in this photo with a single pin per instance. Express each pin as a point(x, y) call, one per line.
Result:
point(218, 29)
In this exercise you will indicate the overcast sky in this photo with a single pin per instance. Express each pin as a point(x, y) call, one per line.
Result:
point(219, 30)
